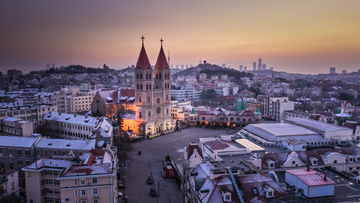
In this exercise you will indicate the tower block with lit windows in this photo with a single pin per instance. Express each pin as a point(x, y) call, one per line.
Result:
point(152, 90)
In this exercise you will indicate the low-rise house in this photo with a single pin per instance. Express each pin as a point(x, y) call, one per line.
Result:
point(311, 183)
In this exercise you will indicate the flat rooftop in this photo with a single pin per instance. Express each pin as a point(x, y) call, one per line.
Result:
point(281, 131)
point(317, 125)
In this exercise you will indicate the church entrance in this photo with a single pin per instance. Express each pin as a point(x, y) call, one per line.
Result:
point(158, 126)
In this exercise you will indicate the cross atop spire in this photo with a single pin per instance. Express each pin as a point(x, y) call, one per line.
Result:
point(142, 38)
point(161, 40)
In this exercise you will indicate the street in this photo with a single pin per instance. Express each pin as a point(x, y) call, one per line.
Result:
point(150, 163)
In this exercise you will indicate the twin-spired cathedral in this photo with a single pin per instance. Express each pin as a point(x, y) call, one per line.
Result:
point(146, 109)
point(153, 93)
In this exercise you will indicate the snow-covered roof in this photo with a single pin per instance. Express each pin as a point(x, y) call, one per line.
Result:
point(71, 118)
point(15, 141)
point(11, 119)
point(316, 125)
point(66, 144)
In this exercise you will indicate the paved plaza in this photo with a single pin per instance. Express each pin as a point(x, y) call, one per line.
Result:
point(150, 163)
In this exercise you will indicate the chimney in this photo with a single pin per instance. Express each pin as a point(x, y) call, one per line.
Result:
point(308, 168)
point(325, 177)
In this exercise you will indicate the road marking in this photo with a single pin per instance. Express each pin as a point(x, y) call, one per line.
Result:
point(351, 187)
point(353, 196)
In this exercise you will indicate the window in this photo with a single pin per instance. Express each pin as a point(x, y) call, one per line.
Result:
point(158, 100)
point(139, 99)
point(18, 152)
point(167, 97)
point(149, 114)
point(94, 180)
point(56, 182)
point(83, 192)
point(95, 201)
point(67, 199)
point(149, 99)
point(140, 115)
point(270, 194)
point(82, 181)
point(293, 162)
point(227, 197)
point(20, 162)
point(76, 194)
point(335, 161)
point(75, 182)
point(95, 191)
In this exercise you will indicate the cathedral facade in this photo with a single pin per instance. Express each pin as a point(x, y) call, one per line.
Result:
point(153, 93)
point(145, 110)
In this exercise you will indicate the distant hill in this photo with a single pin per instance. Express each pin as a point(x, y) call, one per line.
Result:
point(212, 69)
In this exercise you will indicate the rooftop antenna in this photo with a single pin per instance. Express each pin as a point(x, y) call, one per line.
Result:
point(169, 56)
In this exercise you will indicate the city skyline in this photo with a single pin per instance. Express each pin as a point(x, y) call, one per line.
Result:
point(296, 37)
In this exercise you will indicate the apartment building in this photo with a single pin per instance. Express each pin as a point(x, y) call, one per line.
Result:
point(73, 100)
point(16, 127)
point(17, 152)
point(185, 93)
point(90, 178)
point(274, 107)
point(26, 113)
point(79, 127)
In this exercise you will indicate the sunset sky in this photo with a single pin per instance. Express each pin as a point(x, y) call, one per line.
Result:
point(290, 35)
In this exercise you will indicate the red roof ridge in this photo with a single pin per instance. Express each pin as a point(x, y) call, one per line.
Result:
point(143, 60)
point(161, 63)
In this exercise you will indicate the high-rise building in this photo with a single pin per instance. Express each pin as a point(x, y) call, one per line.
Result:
point(47, 66)
point(245, 68)
point(254, 66)
point(241, 68)
point(332, 70)
point(344, 72)
point(264, 66)
point(53, 65)
point(259, 65)
point(223, 65)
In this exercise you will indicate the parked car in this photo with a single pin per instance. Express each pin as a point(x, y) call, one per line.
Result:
point(150, 180)
point(121, 186)
point(153, 192)
point(120, 194)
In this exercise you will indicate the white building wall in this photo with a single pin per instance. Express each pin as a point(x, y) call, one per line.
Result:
point(321, 191)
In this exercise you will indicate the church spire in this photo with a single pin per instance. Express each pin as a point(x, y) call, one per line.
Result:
point(161, 63)
point(143, 60)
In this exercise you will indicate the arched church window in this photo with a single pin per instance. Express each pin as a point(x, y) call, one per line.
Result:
point(149, 113)
point(140, 86)
point(148, 98)
point(137, 76)
point(137, 86)
point(160, 76)
point(139, 99)
point(140, 76)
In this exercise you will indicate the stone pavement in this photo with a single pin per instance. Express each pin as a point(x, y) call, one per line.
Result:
point(150, 163)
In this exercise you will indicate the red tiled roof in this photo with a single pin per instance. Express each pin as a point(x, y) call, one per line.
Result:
point(191, 148)
point(311, 177)
point(161, 63)
point(352, 125)
point(143, 60)
point(217, 144)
